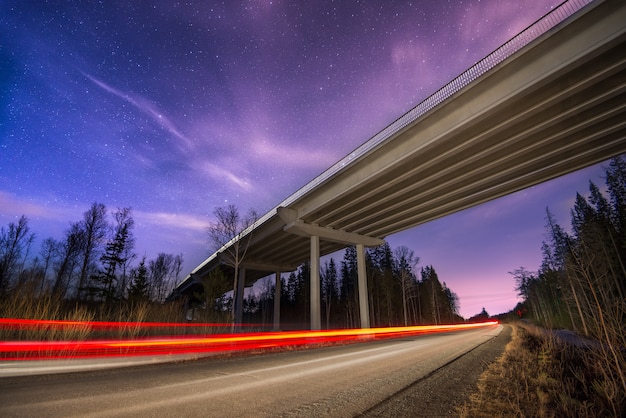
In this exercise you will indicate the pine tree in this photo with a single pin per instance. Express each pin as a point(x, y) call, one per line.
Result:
point(437, 298)
point(115, 255)
point(348, 294)
point(329, 288)
point(139, 286)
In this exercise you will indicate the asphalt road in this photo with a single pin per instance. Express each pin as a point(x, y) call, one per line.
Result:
point(337, 381)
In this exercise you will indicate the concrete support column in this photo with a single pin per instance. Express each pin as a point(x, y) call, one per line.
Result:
point(277, 293)
point(316, 313)
point(362, 279)
point(238, 297)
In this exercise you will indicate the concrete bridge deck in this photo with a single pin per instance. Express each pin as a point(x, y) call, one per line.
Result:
point(549, 102)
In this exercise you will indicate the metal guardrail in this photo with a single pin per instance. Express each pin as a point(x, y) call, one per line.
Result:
point(525, 37)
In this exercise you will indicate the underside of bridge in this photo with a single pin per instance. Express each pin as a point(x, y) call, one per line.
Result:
point(555, 106)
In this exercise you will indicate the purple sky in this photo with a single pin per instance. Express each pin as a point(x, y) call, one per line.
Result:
point(175, 109)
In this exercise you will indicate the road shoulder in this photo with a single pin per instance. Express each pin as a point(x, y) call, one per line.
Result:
point(441, 393)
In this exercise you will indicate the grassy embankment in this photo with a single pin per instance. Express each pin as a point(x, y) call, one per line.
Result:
point(130, 315)
point(538, 376)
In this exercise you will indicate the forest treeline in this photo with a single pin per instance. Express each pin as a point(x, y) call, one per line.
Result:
point(581, 283)
point(580, 286)
point(397, 295)
point(94, 263)
point(95, 266)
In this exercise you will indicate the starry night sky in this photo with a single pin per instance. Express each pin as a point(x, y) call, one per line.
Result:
point(176, 108)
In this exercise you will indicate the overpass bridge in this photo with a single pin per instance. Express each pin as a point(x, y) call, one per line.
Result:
point(548, 102)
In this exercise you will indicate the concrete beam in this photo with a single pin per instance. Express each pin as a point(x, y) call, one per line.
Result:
point(287, 215)
point(299, 227)
point(269, 267)
point(296, 226)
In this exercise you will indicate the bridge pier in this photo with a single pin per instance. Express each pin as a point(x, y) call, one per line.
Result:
point(277, 292)
point(296, 226)
point(364, 309)
point(316, 313)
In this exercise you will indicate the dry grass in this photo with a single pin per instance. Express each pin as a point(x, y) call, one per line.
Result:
point(537, 376)
point(45, 308)
point(50, 308)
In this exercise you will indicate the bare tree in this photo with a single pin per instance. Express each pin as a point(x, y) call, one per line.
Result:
point(47, 253)
point(163, 274)
point(406, 260)
point(230, 235)
point(14, 241)
point(68, 254)
point(95, 227)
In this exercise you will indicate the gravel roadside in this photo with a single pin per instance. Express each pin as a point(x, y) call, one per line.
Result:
point(439, 394)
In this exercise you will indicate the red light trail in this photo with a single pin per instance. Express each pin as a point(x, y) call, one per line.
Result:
point(197, 344)
point(16, 323)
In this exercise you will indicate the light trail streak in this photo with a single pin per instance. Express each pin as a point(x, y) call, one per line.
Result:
point(17, 323)
point(198, 344)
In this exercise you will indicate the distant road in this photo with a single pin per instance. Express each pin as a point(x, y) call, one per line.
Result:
point(331, 381)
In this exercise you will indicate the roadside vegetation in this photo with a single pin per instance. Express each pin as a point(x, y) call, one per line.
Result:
point(91, 274)
point(91, 285)
point(540, 375)
point(581, 287)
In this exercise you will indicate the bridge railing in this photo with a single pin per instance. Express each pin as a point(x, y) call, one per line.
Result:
point(519, 41)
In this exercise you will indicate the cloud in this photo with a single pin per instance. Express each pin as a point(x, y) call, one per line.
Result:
point(146, 107)
point(219, 173)
point(295, 155)
point(12, 206)
point(165, 219)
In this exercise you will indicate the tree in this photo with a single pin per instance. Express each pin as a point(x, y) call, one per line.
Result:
point(437, 298)
point(95, 228)
point(406, 261)
point(47, 253)
point(481, 317)
point(303, 292)
point(232, 229)
point(265, 299)
point(530, 288)
point(15, 242)
point(329, 287)
point(68, 252)
point(453, 302)
point(115, 256)
point(385, 284)
point(211, 298)
point(139, 286)
point(163, 274)
point(347, 294)
point(616, 185)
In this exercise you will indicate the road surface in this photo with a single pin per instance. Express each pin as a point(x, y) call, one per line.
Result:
point(332, 381)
